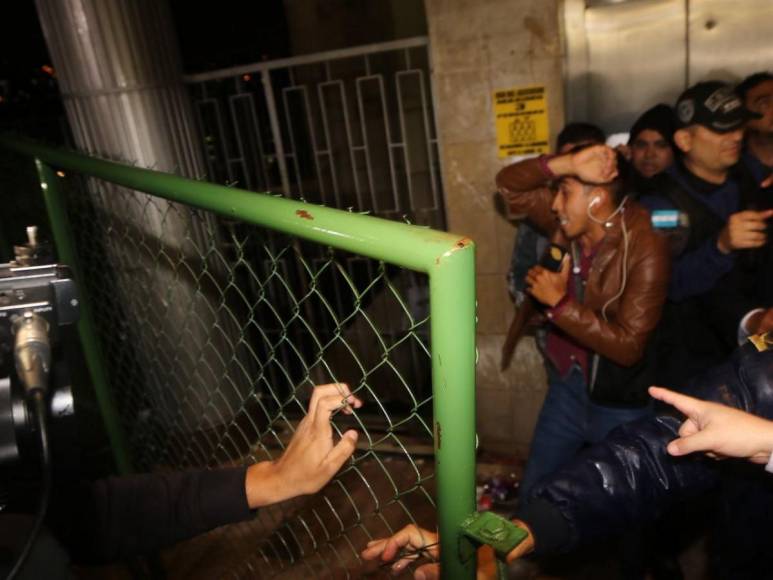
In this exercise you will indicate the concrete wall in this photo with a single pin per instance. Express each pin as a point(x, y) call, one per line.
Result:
point(477, 47)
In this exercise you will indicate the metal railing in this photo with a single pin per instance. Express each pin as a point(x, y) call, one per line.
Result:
point(246, 280)
point(353, 127)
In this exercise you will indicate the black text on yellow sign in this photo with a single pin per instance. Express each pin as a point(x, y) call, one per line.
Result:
point(521, 117)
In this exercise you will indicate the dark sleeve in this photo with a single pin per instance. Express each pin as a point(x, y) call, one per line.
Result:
point(748, 286)
point(630, 477)
point(728, 303)
point(695, 271)
point(122, 517)
point(626, 479)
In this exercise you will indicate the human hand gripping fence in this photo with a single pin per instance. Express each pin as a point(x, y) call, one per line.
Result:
point(310, 459)
point(211, 312)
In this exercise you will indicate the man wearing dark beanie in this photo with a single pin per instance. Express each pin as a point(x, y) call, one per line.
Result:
point(651, 142)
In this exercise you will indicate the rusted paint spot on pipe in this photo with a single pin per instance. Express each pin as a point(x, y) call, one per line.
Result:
point(460, 245)
point(438, 435)
point(302, 213)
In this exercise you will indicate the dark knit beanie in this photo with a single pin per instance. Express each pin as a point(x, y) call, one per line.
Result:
point(659, 118)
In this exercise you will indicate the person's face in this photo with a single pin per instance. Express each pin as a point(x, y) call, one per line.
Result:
point(651, 153)
point(570, 206)
point(709, 150)
point(760, 100)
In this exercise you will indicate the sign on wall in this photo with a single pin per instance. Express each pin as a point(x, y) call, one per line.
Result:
point(521, 116)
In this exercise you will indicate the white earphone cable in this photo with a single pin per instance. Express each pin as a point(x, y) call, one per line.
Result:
point(625, 270)
point(606, 223)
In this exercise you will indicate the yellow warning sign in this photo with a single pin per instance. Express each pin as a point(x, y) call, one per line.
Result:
point(522, 121)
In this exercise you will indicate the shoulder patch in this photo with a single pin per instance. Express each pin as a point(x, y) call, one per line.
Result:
point(762, 342)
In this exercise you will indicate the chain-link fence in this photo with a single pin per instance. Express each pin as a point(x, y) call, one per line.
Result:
point(214, 328)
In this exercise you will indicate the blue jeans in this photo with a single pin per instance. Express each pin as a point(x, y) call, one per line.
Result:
point(568, 421)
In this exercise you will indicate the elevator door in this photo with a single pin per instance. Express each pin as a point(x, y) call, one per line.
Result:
point(623, 56)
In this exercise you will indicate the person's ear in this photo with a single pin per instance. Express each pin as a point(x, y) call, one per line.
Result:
point(683, 140)
point(598, 195)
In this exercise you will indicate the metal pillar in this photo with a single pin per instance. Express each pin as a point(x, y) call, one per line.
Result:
point(120, 75)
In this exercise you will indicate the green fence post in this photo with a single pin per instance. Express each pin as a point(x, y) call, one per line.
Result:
point(57, 214)
point(452, 319)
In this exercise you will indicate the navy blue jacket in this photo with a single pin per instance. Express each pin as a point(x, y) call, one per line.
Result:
point(629, 478)
point(709, 292)
point(696, 270)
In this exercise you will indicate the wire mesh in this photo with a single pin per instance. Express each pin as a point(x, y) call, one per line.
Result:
point(214, 333)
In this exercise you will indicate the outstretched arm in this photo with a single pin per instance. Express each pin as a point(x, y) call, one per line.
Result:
point(122, 517)
point(718, 430)
point(625, 480)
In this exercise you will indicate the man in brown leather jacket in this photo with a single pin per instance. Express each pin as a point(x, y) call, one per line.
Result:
point(602, 306)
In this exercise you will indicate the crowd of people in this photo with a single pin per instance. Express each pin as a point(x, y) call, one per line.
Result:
point(666, 279)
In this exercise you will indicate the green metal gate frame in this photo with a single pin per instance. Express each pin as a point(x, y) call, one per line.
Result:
point(447, 259)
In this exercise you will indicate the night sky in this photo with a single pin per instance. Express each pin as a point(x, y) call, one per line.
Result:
point(236, 32)
point(21, 40)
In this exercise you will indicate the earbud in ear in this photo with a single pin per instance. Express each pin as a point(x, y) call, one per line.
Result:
point(594, 201)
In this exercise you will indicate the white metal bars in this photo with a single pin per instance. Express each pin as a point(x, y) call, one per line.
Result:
point(351, 128)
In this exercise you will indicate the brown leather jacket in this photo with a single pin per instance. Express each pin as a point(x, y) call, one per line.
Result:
point(631, 318)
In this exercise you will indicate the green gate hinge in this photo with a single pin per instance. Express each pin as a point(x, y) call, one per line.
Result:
point(494, 530)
